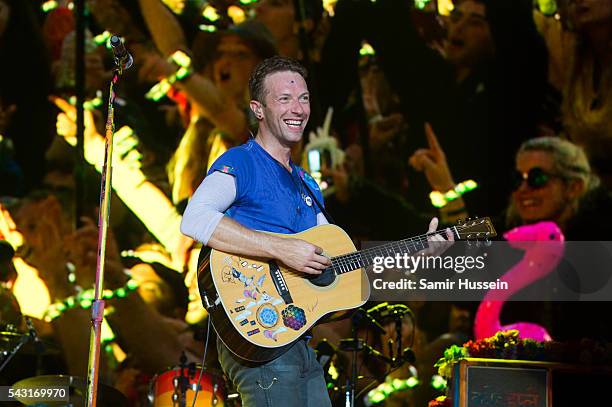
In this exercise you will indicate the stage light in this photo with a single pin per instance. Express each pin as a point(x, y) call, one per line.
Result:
point(236, 14)
point(210, 13)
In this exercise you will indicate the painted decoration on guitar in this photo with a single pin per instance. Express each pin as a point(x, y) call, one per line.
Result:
point(539, 261)
point(267, 315)
point(294, 317)
point(274, 334)
point(242, 277)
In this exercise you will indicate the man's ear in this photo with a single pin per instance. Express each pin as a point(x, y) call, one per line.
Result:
point(256, 108)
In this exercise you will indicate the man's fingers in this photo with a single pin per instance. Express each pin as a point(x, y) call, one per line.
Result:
point(433, 225)
point(324, 261)
point(64, 106)
point(432, 140)
point(311, 270)
point(450, 235)
point(427, 162)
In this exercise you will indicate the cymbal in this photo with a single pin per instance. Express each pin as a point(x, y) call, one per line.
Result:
point(77, 389)
point(8, 341)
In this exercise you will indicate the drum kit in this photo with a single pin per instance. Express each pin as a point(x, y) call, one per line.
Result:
point(377, 345)
point(179, 386)
point(175, 387)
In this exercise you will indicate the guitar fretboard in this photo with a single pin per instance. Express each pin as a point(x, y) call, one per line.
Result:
point(364, 258)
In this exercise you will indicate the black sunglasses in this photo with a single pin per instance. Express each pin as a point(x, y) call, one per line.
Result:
point(535, 177)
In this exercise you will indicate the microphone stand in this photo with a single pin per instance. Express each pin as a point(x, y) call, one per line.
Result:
point(97, 308)
point(24, 338)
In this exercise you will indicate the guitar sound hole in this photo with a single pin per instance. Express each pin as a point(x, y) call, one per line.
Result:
point(324, 279)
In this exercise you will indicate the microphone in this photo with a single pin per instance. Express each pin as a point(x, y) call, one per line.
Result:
point(362, 317)
point(123, 58)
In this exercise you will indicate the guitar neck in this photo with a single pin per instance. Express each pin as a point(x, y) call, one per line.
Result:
point(364, 258)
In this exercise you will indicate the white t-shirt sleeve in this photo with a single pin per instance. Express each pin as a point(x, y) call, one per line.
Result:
point(206, 207)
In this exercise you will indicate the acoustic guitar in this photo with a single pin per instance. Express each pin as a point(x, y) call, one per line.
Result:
point(259, 307)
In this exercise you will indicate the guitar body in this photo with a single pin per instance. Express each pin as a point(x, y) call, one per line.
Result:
point(260, 308)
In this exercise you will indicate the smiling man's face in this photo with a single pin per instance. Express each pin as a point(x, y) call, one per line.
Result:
point(287, 107)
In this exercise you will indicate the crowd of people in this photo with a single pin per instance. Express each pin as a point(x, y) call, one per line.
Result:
point(422, 95)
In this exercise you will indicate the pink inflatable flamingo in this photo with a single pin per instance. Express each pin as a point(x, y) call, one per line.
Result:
point(543, 245)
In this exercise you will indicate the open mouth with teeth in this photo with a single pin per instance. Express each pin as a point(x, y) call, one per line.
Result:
point(294, 124)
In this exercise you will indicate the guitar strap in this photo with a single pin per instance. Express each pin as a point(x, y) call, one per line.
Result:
point(314, 198)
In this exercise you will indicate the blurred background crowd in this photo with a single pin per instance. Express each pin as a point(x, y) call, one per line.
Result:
point(419, 96)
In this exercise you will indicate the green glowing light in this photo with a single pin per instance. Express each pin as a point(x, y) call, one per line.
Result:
point(366, 49)
point(210, 13)
point(547, 7)
point(103, 38)
point(49, 5)
point(421, 4)
point(438, 382)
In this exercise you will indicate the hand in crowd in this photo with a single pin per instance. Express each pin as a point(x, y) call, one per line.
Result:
point(82, 250)
point(152, 66)
point(44, 229)
point(301, 256)
point(383, 129)
point(66, 122)
point(51, 243)
point(432, 161)
point(111, 15)
point(8, 229)
point(124, 141)
point(340, 179)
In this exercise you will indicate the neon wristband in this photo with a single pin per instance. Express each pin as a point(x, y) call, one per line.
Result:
point(439, 199)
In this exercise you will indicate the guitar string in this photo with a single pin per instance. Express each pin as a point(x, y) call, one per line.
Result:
point(351, 261)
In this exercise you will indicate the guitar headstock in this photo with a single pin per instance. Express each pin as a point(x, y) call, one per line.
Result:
point(475, 229)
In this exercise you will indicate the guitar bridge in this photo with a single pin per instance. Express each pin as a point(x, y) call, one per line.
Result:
point(279, 282)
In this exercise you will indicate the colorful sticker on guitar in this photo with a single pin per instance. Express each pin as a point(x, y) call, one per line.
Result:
point(253, 332)
point(242, 315)
point(260, 280)
point(242, 277)
point(267, 316)
point(274, 334)
point(250, 294)
point(294, 317)
point(264, 298)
